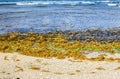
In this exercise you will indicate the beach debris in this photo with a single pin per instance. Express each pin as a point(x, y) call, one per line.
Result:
point(100, 57)
point(35, 68)
point(71, 73)
point(44, 70)
point(109, 59)
point(73, 60)
point(6, 58)
point(118, 59)
point(100, 68)
point(19, 69)
point(59, 73)
point(15, 58)
point(118, 68)
point(2, 71)
point(91, 59)
point(77, 71)
point(8, 73)
point(92, 72)
point(45, 63)
point(38, 60)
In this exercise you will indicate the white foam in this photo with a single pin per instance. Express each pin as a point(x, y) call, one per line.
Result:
point(87, 2)
point(112, 4)
point(72, 3)
point(48, 3)
point(67, 2)
point(106, 1)
point(27, 3)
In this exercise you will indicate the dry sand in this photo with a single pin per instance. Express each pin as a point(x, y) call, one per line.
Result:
point(16, 66)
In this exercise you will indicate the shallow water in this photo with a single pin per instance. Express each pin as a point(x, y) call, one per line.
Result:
point(44, 16)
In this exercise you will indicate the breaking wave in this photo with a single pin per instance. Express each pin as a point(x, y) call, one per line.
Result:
point(49, 3)
point(113, 4)
point(71, 3)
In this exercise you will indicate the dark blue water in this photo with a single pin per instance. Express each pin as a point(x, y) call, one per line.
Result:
point(47, 15)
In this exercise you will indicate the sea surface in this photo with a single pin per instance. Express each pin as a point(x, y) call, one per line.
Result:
point(47, 15)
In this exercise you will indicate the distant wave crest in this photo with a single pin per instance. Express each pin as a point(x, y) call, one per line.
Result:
point(57, 3)
point(113, 4)
point(71, 3)
point(7, 3)
point(87, 2)
point(27, 3)
point(49, 3)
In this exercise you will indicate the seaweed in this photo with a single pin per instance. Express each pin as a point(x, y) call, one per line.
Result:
point(48, 46)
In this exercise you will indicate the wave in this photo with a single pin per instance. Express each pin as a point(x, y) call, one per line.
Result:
point(106, 1)
point(113, 4)
point(49, 3)
point(27, 3)
point(88, 2)
point(56, 3)
point(71, 3)
point(7, 3)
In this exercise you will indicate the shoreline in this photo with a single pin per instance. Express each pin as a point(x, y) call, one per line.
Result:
point(98, 35)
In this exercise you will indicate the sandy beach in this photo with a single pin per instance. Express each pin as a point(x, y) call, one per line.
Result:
point(59, 39)
point(16, 66)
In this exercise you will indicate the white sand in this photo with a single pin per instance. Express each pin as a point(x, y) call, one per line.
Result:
point(95, 54)
point(15, 66)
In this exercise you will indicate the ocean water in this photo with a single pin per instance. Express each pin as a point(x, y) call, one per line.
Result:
point(47, 15)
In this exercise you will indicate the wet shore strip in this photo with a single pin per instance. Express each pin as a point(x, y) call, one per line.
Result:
point(89, 35)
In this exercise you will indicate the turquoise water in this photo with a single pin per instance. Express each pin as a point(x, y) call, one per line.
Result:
point(44, 16)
